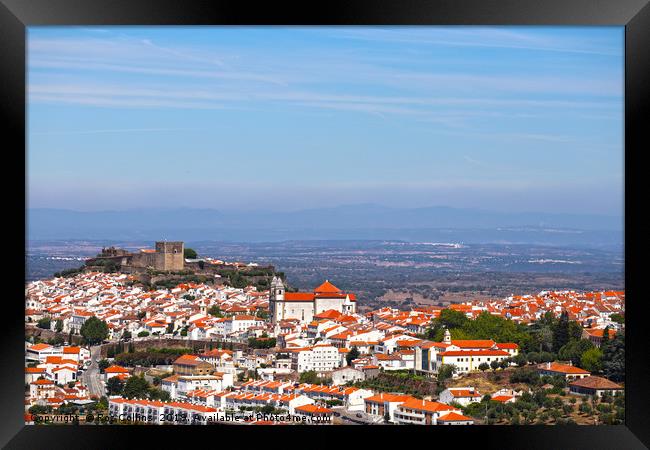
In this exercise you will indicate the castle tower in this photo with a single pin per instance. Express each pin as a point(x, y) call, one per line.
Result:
point(447, 338)
point(169, 256)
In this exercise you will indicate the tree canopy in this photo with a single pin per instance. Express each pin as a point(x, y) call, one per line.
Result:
point(485, 326)
point(215, 311)
point(94, 330)
point(614, 358)
point(310, 377)
point(190, 253)
point(352, 355)
point(574, 350)
point(114, 386)
point(136, 387)
point(44, 323)
point(591, 360)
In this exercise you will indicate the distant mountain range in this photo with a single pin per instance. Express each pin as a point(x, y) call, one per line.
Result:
point(365, 221)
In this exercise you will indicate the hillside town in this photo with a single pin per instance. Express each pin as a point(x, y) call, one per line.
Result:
point(206, 353)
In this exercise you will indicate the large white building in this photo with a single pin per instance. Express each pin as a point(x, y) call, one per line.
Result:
point(320, 357)
point(304, 305)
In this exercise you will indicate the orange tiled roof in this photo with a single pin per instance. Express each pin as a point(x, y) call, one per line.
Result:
point(425, 405)
point(298, 296)
point(454, 417)
point(327, 288)
point(562, 368)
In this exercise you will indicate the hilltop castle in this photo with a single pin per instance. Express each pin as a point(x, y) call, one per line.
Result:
point(166, 256)
point(305, 305)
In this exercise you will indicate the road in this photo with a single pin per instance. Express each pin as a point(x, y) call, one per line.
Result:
point(351, 416)
point(91, 376)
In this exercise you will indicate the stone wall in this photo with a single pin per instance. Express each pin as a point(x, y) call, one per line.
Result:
point(199, 345)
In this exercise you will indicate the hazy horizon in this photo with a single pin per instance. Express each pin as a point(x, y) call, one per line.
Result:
point(289, 209)
point(508, 119)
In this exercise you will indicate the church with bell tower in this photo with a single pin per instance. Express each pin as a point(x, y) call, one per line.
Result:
point(305, 305)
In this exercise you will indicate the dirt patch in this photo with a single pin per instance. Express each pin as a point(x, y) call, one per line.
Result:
point(487, 382)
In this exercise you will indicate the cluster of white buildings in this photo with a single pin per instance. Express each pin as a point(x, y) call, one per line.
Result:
point(180, 312)
point(591, 309)
point(314, 331)
point(52, 374)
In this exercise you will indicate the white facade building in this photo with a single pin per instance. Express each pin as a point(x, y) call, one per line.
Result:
point(320, 357)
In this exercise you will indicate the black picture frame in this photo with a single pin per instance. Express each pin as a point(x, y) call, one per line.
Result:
point(16, 15)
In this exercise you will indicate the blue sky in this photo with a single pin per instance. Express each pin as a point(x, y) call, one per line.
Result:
point(285, 118)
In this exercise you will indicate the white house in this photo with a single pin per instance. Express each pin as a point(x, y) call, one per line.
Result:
point(115, 371)
point(346, 375)
point(422, 412)
point(64, 375)
point(461, 395)
point(241, 322)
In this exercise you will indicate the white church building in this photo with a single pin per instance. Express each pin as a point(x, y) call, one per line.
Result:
point(304, 305)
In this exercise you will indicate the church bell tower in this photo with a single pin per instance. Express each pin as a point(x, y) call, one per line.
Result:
point(276, 295)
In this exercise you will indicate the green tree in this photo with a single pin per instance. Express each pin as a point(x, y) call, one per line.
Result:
point(618, 318)
point(58, 326)
point(567, 409)
point(114, 386)
point(262, 342)
point(44, 323)
point(352, 355)
point(448, 318)
point(545, 338)
point(39, 409)
point(143, 334)
point(613, 358)
point(56, 340)
point(445, 372)
point(215, 311)
point(190, 253)
point(103, 364)
point(159, 394)
point(561, 332)
point(483, 366)
point(126, 335)
point(575, 331)
point(573, 350)
point(94, 331)
point(310, 377)
point(102, 404)
point(494, 365)
point(136, 387)
point(526, 375)
point(591, 360)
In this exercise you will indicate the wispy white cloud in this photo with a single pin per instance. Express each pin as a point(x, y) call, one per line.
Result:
point(479, 37)
point(83, 92)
